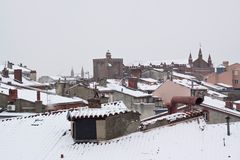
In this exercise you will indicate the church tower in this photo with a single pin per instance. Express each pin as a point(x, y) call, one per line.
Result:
point(190, 60)
point(210, 61)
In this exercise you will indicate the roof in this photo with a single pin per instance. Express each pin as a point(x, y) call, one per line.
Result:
point(185, 76)
point(149, 80)
point(157, 62)
point(25, 81)
point(116, 86)
point(24, 69)
point(47, 136)
point(106, 110)
point(46, 98)
point(189, 84)
point(218, 105)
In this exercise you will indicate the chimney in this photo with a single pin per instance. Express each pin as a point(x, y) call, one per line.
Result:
point(5, 73)
point(33, 75)
point(18, 75)
point(38, 96)
point(132, 82)
point(9, 65)
point(229, 104)
point(94, 103)
point(172, 106)
point(12, 95)
point(225, 63)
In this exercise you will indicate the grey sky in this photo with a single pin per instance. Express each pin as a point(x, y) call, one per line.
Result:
point(52, 36)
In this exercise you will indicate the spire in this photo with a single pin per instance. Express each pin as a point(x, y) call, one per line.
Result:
point(200, 53)
point(190, 59)
point(82, 73)
point(209, 60)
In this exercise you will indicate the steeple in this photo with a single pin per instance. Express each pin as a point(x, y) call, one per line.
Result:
point(72, 73)
point(200, 53)
point(210, 60)
point(82, 73)
point(190, 60)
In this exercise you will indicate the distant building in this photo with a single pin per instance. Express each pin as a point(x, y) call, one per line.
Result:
point(200, 67)
point(227, 74)
point(107, 68)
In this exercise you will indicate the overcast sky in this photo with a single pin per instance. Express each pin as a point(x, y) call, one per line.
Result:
point(52, 36)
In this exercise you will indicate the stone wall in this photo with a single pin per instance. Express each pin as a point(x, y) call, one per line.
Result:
point(122, 124)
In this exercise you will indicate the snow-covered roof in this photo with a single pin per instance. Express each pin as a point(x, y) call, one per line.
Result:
point(46, 98)
point(116, 86)
point(47, 136)
point(14, 67)
point(106, 109)
point(212, 86)
point(189, 84)
point(224, 85)
point(157, 62)
point(149, 80)
point(216, 94)
point(218, 105)
point(185, 76)
point(148, 87)
point(25, 81)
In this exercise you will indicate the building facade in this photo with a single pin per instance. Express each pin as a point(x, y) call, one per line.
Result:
point(107, 68)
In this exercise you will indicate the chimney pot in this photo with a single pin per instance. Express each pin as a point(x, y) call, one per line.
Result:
point(229, 104)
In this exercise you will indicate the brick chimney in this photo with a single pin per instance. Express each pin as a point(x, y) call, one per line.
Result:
point(225, 63)
point(132, 82)
point(229, 104)
point(18, 75)
point(38, 96)
point(13, 95)
point(5, 73)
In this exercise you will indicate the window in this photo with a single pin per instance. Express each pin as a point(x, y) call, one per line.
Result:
point(235, 81)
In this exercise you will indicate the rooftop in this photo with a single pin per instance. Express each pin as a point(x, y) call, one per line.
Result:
point(47, 136)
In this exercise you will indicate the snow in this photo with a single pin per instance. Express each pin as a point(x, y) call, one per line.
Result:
point(218, 105)
point(212, 86)
point(180, 75)
point(224, 85)
point(105, 110)
point(48, 136)
point(46, 98)
point(150, 80)
point(116, 86)
point(24, 69)
point(157, 62)
point(188, 84)
point(148, 87)
point(25, 81)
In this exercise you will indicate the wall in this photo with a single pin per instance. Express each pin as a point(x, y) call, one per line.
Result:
point(107, 68)
point(121, 124)
point(169, 89)
point(155, 75)
point(81, 91)
point(217, 116)
point(3, 100)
